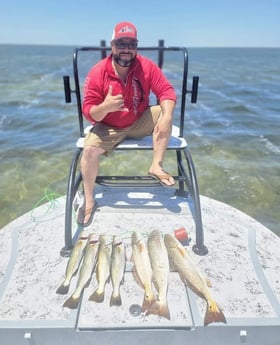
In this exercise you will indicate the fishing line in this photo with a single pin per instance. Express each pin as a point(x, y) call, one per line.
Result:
point(49, 197)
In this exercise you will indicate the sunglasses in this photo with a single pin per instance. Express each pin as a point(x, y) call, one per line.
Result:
point(128, 45)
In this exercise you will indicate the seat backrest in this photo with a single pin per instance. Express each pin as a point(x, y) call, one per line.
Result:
point(173, 61)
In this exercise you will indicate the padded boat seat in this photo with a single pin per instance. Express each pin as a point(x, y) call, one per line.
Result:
point(146, 143)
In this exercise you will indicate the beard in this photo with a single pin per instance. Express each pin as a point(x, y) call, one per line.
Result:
point(124, 59)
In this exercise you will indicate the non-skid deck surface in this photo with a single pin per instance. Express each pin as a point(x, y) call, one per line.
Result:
point(245, 278)
point(102, 316)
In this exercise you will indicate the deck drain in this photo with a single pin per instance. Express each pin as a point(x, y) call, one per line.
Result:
point(135, 310)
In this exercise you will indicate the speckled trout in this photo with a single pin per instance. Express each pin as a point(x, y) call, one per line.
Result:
point(181, 261)
point(142, 269)
point(73, 263)
point(102, 269)
point(85, 274)
point(118, 261)
point(160, 267)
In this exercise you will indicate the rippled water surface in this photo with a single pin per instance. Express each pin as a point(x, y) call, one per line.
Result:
point(233, 131)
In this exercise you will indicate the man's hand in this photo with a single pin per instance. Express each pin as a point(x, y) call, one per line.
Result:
point(110, 104)
point(114, 103)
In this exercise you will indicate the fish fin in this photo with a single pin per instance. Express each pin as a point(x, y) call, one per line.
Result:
point(213, 314)
point(97, 296)
point(71, 303)
point(63, 289)
point(115, 300)
point(160, 309)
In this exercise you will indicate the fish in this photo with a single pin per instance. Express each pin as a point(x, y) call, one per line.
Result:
point(102, 270)
point(118, 261)
point(73, 263)
point(86, 270)
point(142, 270)
point(160, 267)
point(182, 262)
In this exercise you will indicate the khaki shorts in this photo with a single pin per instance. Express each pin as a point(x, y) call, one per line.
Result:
point(108, 138)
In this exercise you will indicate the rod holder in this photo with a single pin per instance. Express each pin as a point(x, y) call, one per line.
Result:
point(194, 89)
point(67, 89)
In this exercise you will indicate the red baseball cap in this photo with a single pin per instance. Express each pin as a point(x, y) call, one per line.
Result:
point(124, 30)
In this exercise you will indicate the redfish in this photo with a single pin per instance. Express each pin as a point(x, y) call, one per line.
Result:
point(181, 261)
point(118, 261)
point(160, 267)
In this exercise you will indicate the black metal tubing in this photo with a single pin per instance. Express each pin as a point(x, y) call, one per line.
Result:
point(72, 188)
point(78, 92)
point(192, 186)
point(184, 92)
point(103, 51)
point(160, 53)
point(199, 248)
point(181, 173)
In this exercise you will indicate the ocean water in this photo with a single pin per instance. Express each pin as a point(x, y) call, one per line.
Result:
point(233, 131)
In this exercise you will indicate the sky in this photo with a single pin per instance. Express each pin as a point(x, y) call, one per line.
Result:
point(190, 23)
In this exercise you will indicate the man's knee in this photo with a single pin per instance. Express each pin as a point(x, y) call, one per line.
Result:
point(91, 152)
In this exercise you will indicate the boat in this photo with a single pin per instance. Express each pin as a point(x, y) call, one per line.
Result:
point(237, 254)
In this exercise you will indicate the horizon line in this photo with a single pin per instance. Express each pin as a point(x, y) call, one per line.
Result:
point(94, 45)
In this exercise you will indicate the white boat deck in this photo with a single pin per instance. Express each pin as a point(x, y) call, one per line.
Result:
point(243, 265)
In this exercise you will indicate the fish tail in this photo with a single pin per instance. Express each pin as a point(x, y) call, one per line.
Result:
point(115, 300)
point(72, 303)
point(147, 302)
point(97, 296)
point(213, 314)
point(63, 289)
point(160, 309)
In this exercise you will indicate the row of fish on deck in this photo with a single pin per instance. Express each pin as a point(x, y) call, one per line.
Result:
point(152, 261)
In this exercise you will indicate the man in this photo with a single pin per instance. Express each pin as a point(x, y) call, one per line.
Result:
point(116, 102)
